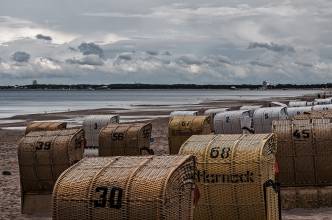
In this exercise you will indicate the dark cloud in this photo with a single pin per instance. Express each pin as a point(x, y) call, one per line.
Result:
point(92, 60)
point(72, 48)
point(91, 48)
point(21, 57)
point(126, 57)
point(167, 53)
point(43, 37)
point(152, 53)
point(272, 46)
point(224, 60)
point(257, 63)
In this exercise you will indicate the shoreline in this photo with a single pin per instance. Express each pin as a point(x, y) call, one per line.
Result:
point(146, 111)
point(22, 105)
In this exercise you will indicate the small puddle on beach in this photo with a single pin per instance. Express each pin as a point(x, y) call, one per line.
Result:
point(9, 121)
point(21, 128)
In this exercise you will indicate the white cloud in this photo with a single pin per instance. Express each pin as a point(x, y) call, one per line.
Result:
point(181, 11)
point(47, 64)
point(12, 29)
point(146, 68)
point(91, 60)
point(194, 68)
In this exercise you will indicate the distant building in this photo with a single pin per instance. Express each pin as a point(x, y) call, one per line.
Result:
point(102, 87)
point(34, 82)
point(265, 85)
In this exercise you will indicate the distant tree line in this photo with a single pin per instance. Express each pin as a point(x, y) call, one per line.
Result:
point(162, 86)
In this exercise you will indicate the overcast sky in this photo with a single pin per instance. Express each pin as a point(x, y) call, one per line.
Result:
point(165, 41)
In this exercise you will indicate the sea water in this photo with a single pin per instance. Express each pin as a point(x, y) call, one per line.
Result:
point(19, 102)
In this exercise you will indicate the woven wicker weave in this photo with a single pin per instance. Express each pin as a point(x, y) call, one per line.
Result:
point(322, 107)
point(234, 173)
point(304, 152)
point(263, 117)
point(123, 188)
point(125, 139)
point(306, 197)
point(184, 113)
point(180, 128)
point(45, 126)
point(92, 125)
point(314, 115)
point(212, 113)
point(42, 157)
point(295, 111)
point(299, 104)
point(233, 122)
point(325, 101)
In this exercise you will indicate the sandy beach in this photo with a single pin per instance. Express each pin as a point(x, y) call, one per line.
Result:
point(10, 133)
